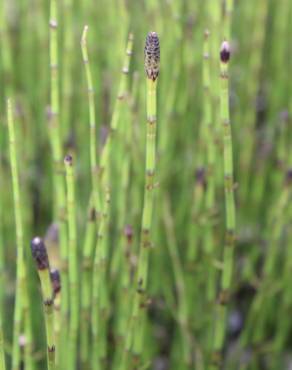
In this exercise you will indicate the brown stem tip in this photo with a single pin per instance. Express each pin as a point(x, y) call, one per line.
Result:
point(225, 52)
point(152, 55)
point(39, 253)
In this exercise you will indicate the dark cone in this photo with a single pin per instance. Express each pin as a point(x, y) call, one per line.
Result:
point(225, 52)
point(152, 55)
point(39, 253)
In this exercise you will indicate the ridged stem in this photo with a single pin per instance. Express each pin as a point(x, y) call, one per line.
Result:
point(73, 263)
point(58, 173)
point(21, 310)
point(228, 252)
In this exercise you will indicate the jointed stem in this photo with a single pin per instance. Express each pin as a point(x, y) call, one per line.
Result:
point(73, 263)
point(40, 256)
point(140, 298)
point(58, 175)
point(226, 277)
point(21, 311)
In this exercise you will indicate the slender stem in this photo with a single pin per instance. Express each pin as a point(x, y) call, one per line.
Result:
point(58, 174)
point(92, 120)
point(86, 291)
point(152, 57)
point(21, 310)
point(39, 253)
point(99, 300)
point(73, 262)
point(226, 278)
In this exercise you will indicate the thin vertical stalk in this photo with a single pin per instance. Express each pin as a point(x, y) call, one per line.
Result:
point(21, 310)
point(182, 309)
point(86, 288)
point(2, 276)
point(56, 285)
point(95, 206)
point(58, 175)
point(39, 253)
point(228, 19)
point(73, 263)
point(210, 192)
point(92, 121)
point(226, 277)
point(152, 57)
point(99, 299)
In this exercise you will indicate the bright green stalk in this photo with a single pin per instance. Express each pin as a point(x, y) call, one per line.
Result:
point(210, 193)
point(152, 56)
point(228, 19)
point(118, 104)
point(20, 277)
point(56, 284)
point(21, 310)
point(67, 58)
point(73, 263)
point(92, 121)
point(6, 50)
point(58, 176)
point(100, 301)
point(226, 278)
point(39, 253)
point(2, 353)
point(182, 313)
point(95, 207)
point(2, 277)
point(86, 291)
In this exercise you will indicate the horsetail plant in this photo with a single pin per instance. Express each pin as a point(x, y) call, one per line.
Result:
point(152, 60)
point(39, 254)
point(228, 252)
point(21, 310)
point(100, 306)
point(92, 121)
point(56, 284)
point(73, 262)
point(86, 289)
point(58, 173)
point(94, 207)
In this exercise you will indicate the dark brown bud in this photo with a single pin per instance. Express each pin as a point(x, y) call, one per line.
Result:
point(225, 52)
point(68, 160)
point(152, 55)
point(39, 253)
point(56, 280)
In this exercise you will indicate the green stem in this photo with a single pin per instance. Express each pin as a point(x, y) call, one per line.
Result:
point(39, 253)
point(226, 278)
point(21, 310)
point(58, 174)
point(140, 298)
point(73, 263)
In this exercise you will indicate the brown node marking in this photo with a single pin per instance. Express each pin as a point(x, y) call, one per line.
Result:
point(51, 349)
point(223, 297)
point(230, 238)
point(216, 358)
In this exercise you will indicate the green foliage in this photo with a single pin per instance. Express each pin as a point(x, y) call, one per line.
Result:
point(169, 219)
